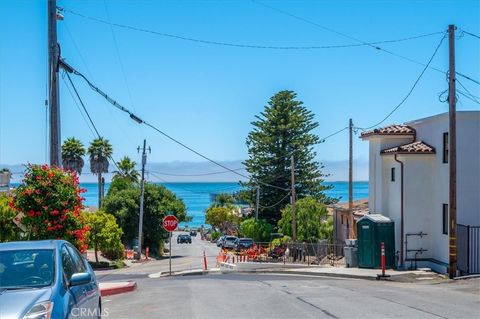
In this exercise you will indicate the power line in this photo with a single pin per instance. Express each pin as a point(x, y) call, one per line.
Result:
point(468, 78)
point(411, 89)
point(198, 174)
point(468, 96)
point(277, 203)
point(78, 106)
point(468, 92)
point(471, 34)
point(89, 118)
point(69, 69)
point(370, 44)
point(239, 45)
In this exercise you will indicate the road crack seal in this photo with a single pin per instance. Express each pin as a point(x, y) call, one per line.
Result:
point(314, 306)
point(412, 307)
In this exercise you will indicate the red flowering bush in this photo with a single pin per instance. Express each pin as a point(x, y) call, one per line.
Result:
point(51, 201)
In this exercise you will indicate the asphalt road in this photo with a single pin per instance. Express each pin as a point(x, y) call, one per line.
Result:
point(184, 257)
point(277, 296)
point(280, 296)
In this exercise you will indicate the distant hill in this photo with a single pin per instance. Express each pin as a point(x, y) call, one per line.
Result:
point(179, 171)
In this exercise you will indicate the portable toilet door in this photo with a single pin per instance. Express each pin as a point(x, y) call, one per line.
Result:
point(366, 247)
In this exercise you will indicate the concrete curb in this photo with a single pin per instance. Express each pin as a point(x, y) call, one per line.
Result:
point(110, 289)
point(309, 273)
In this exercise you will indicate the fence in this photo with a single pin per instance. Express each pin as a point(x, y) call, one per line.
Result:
point(320, 253)
point(468, 249)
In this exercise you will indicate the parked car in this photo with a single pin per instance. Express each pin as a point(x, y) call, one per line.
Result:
point(229, 242)
point(184, 239)
point(220, 241)
point(243, 243)
point(193, 233)
point(47, 279)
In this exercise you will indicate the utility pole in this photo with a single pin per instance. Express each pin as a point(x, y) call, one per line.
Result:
point(294, 213)
point(452, 153)
point(142, 193)
point(258, 202)
point(53, 95)
point(350, 179)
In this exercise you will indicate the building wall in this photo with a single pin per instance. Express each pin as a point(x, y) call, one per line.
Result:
point(376, 200)
point(419, 215)
point(468, 164)
point(426, 186)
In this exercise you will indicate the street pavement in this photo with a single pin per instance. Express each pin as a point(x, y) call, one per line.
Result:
point(286, 296)
point(236, 295)
point(184, 257)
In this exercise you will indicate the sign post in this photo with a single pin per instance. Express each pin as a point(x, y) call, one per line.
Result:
point(170, 223)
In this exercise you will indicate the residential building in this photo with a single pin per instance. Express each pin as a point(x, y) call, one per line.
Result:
point(415, 155)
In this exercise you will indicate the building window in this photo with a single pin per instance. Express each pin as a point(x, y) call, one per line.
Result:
point(392, 174)
point(445, 147)
point(445, 219)
point(342, 219)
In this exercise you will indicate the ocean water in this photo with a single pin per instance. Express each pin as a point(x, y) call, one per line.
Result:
point(197, 195)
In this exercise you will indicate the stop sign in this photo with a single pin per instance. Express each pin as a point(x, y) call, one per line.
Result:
point(170, 223)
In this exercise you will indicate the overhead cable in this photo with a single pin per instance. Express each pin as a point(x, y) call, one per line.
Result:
point(90, 119)
point(240, 45)
point(137, 119)
point(411, 89)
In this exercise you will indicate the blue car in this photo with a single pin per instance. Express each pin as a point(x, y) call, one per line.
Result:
point(46, 279)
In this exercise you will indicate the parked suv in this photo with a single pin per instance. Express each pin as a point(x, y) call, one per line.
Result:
point(184, 239)
point(243, 243)
point(229, 242)
point(193, 233)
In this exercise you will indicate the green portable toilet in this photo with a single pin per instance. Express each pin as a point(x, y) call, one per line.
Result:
point(372, 230)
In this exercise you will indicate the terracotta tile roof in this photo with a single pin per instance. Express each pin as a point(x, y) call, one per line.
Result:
point(393, 129)
point(418, 147)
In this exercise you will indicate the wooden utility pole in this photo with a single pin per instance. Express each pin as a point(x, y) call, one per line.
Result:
point(350, 179)
point(294, 213)
point(452, 154)
point(53, 95)
point(142, 193)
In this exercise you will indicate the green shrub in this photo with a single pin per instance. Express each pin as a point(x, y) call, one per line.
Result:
point(258, 230)
point(281, 241)
point(114, 253)
point(215, 235)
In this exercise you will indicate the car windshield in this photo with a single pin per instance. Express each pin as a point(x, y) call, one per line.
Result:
point(26, 268)
point(231, 238)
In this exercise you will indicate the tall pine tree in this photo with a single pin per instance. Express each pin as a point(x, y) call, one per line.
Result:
point(282, 129)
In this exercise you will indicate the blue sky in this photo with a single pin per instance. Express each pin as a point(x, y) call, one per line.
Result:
point(206, 95)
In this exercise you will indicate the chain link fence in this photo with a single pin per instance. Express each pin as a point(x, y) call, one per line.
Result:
point(319, 253)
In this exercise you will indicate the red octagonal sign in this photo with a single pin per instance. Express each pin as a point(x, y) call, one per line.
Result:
point(170, 223)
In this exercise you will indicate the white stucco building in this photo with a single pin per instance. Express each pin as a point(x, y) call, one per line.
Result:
point(416, 154)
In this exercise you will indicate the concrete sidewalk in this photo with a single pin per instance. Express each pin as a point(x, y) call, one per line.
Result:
point(327, 271)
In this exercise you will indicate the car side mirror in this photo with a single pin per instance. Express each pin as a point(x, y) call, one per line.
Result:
point(80, 278)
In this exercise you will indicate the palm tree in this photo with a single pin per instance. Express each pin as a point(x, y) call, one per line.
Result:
point(72, 152)
point(100, 150)
point(127, 170)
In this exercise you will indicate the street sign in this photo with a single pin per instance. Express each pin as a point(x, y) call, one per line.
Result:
point(170, 223)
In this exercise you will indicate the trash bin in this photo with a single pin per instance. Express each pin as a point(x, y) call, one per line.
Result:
point(351, 253)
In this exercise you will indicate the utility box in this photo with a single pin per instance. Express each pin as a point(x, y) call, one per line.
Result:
point(372, 230)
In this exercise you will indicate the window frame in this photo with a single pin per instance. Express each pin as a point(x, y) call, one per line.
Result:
point(446, 148)
point(445, 219)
